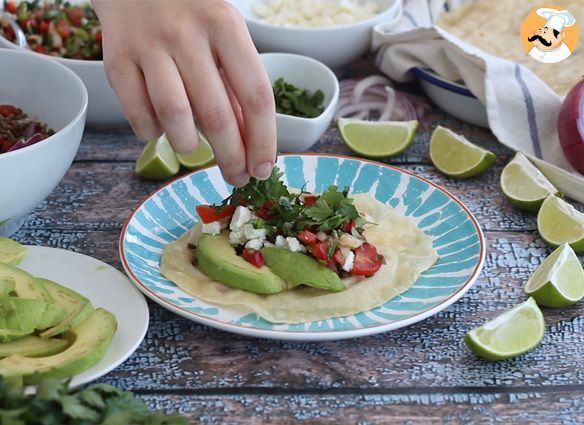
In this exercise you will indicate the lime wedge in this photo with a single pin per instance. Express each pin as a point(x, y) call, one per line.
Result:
point(558, 281)
point(200, 157)
point(158, 160)
point(377, 139)
point(524, 185)
point(455, 156)
point(11, 252)
point(510, 334)
point(559, 222)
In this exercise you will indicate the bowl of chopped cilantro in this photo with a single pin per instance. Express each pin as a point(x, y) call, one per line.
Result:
point(306, 93)
point(70, 33)
point(43, 106)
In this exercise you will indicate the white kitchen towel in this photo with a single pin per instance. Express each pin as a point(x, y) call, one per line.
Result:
point(522, 110)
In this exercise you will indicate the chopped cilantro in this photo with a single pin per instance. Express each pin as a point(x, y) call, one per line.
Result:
point(290, 100)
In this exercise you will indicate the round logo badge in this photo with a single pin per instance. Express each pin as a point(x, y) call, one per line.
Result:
point(550, 34)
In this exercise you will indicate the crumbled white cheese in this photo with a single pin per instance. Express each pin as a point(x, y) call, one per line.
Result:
point(294, 245)
point(315, 13)
point(213, 228)
point(349, 262)
point(251, 232)
point(268, 244)
point(255, 244)
point(281, 242)
point(241, 216)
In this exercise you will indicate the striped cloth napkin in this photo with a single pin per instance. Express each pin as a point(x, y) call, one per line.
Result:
point(522, 110)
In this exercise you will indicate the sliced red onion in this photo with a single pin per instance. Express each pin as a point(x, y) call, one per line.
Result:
point(366, 83)
point(24, 143)
point(389, 106)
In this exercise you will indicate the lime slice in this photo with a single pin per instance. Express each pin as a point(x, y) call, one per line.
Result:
point(377, 139)
point(158, 160)
point(510, 334)
point(559, 222)
point(524, 185)
point(201, 156)
point(11, 252)
point(558, 281)
point(455, 156)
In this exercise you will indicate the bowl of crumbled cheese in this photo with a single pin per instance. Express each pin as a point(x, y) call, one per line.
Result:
point(335, 32)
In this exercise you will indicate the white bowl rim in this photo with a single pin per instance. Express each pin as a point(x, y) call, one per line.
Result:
point(319, 64)
point(71, 123)
point(397, 4)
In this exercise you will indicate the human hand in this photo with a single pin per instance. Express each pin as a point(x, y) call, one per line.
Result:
point(172, 61)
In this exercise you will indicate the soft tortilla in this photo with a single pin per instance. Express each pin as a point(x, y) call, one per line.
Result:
point(407, 251)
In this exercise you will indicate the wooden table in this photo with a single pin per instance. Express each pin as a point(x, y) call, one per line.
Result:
point(421, 374)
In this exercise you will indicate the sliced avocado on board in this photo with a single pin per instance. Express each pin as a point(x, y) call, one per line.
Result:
point(91, 339)
point(218, 260)
point(25, 284)
point(297, 268)
point(25, 315)
point(7, 285)
point(77, 307)
point(33, 346)
point(11, 252)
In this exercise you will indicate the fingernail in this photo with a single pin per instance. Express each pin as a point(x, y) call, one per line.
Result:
point(263, 170)
point(240, 179)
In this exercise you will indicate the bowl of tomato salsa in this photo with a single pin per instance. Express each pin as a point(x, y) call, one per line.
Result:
point(70, 33)
point(43, 107)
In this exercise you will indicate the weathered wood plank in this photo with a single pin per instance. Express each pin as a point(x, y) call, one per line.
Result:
point(182, 354)
point(102, 195)
point(464, 408)
point(119, 144)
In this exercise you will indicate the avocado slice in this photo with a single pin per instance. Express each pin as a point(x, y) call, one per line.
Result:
point(25, 315)
point(11, 252)
point(91, 339)
point(297, 268)
point(25, 284)
point(78, 307)
point(33, 346)
point(7, 285)
point(218, 260)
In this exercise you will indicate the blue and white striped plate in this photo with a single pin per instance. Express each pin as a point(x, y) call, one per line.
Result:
point(456, 235)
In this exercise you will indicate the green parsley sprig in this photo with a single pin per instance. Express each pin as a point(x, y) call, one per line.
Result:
point(290, 100)
point(55, 404)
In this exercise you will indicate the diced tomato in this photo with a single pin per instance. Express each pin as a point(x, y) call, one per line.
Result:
point(367, 261)
point(263, 213)
point(269, 204)
point(98, 37)
point(39, 49)
point(254, 257)
point(307, 237)
point(7, 110)
point(63, 28)
point(44, 27)
point(75, 14)
point(339, 257)
point(348, 226)
point(11, 6)
point(320, 251)
point(211, 213)
point(310, 199)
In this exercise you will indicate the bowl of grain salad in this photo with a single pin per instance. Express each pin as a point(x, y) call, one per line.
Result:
point(331, 31)
point(43, 106)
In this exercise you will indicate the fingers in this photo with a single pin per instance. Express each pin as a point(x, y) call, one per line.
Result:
point(170, 101)
point(127, 81)
point(253, 91)
point(214, 112)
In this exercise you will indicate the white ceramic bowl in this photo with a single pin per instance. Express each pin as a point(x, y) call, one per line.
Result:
point(453, 98)
point(334, 46)
point(297, 134)
point(53, 94)
point(104, 107)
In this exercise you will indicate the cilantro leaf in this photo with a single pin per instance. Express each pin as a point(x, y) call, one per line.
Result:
point(290, 100)
point(257, 192)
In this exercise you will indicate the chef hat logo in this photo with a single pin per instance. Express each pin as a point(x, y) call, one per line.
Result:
point(550, 34)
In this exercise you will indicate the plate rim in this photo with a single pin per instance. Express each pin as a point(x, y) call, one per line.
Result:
point(306, 335)
point(74, 380)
